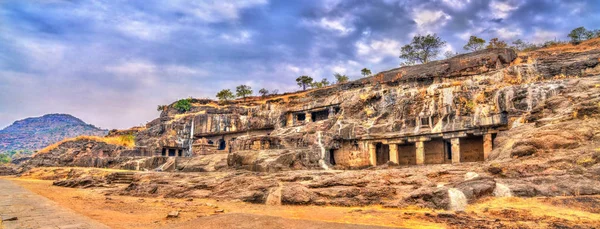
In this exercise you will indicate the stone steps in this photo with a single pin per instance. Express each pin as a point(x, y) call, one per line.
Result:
point(123, 177)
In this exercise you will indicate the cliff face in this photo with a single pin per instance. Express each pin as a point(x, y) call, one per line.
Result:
point(441, 112)
point(36, 133)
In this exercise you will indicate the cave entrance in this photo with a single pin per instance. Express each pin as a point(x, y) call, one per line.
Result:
point(407, 154)
point(164, 152)
point(222, 144)
point(172, 152)
point(300, 117)
point(320, 115)
point(448, 150)
point(332, 156)
point(382, 152)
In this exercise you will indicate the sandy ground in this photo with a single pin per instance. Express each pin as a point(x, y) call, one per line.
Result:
point(134, 212)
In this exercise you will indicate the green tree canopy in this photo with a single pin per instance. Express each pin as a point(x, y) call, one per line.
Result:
point(422, 49)
point(225, 95)
point(243, 91)
point(580, 34)
point(263, 92)
point(304, 81)
point(496, 43)
point(474, 44)
point(339, 78)
point(183, 105)
point(365, 72)
point(320, 84)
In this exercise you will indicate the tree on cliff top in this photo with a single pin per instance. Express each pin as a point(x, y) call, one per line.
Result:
point(320, 84)
point(243, 91)
point(581, 33)
point(263, 92)
point(474, 44)
point(304, 81)
point(183, 105)
point(225, 95)
point(496, 43)
point(365, 72)
point(422, 48)
point(339, 78)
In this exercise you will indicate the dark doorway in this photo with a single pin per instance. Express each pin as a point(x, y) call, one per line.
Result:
point(222, 144)
point(172, 152)
point(320, 115)
point(382, 151)
point(448, 149)
point(300, 117)
point(164, 152)
point(180, 153)
point(332, 156)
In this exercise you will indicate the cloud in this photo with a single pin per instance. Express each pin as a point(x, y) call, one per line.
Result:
point(341, 26)
point(213, 11)
point(428, 21)
point(112, 62)
point(375, 51)
point(501, 9)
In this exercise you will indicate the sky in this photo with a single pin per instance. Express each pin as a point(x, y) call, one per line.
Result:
point(111, 63)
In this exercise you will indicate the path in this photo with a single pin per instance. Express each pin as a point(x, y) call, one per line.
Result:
point(250, 221)
point(35, 211)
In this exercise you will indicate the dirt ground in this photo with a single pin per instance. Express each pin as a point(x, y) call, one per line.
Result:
point(134, 212)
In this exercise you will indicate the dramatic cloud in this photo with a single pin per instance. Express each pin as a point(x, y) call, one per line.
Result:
point(112, 62)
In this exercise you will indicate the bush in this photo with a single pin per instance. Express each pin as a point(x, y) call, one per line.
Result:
point(4, 158)
point(183, 105)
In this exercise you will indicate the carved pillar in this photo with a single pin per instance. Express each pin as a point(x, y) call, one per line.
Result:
point(289, 119)
point(420, 146)
point(487, 146)
point(372, 154)
point(308, 116)
point(455, 150)
point(394, 153)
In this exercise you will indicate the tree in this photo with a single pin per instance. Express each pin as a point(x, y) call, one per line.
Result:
point(183, 105)
point(339, 78)
point(450, 54)
point(274, 92)
point(304, 81)
point(161, 107)
point(496, 43)
point(320, 84)
point(581, 33)
point(243, 91)
point(422, 48)
point(365, 72)
point(519, 45)
point(474, 44)
point(263, 92)
point(225, 95)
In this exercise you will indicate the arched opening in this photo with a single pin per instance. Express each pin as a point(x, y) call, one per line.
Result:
point(222, 144)
point(332, 156)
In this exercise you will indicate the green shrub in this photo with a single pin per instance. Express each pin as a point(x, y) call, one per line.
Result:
point(183, 105)
point(4, 158)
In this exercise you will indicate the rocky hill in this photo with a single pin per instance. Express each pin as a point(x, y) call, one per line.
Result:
point(31, 134)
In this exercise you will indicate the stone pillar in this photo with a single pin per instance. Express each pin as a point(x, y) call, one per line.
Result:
point(372, 154)
point(455, 150)
point(420, 149)
point(289, 119)
point(487, 146)
point(308, 116)
point(394, 153)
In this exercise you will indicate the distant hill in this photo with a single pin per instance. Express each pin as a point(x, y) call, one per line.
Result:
point(31, 134)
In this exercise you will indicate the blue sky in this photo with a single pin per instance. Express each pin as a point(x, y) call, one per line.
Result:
point(111, 63)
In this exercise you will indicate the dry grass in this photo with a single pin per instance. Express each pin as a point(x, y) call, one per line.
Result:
point(123, 140)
